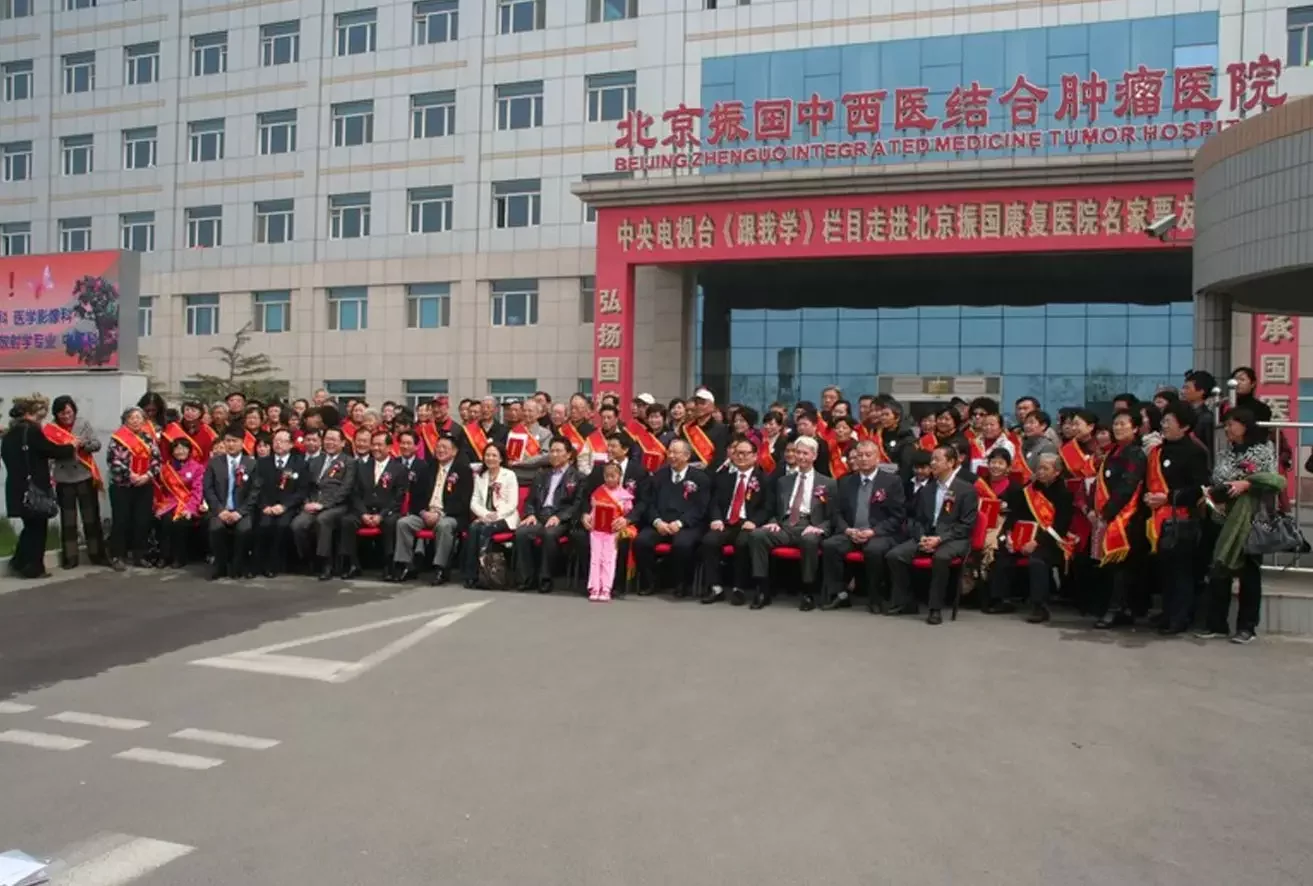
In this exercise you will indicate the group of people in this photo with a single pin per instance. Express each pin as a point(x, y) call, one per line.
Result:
point(709, 502)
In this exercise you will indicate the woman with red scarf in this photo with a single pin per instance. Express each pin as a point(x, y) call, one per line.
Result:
point(1120, 516)
point(77, 484)
point(134, 468)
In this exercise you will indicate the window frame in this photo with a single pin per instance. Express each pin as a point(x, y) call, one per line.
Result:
point(597, 89)
point(72, 63)
point(587, 298)
point(194, 311)
point(266, 211)
point(12, 233)
point(16, 153)
point(422, 16)
point(15, 72)
point(502, 291)
point(71, 147)
point(418, 295)
point(503, 207)
point(597, 11)
point(344, 115)
point(133, 56)
point(262, 302)
point(418, 199)
point(74, 232)
point(345, 24)
point(510, 96)
point(271, 34)
point(199, 132)
point(266, 122)
point(130, 143)
point(16, 9)
point(422, 104)
point(509, 10)
point(341, 296)
point(145, 316)
point(338, 207)
point(129, 223)
point(206, 49)
point(197, 223)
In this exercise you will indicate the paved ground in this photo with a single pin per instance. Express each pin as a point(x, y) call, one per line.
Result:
point(539, 741)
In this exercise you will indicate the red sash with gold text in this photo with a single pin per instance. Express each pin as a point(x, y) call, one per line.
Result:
point(571, 433)
point(137, 448)
point(654, 451)
point(171, 486)
point(478, 438)
point(248, 444)
point(1045, 514)
point(1155, 483)
point(531, 445)
point(703, 448)
point(766, 456)
point(428, 433)
point(838, 459)
point(201, 443)
point(1117, 538)
point(1020, 470)
point(60, 437)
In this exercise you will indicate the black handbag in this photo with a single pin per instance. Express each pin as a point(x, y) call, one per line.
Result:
point(1179, 533)
point(36, 501)
point(1274, 532)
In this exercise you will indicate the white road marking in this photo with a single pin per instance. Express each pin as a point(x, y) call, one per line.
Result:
point(266, 659)
point(168, 758)
point(227, 739)
point(47, 740)
point(113, 860)
point(80, 718)
point(13, 707)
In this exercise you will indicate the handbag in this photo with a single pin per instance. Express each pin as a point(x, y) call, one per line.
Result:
point(1179, 533)
point(36, 501)
point(1274, 532)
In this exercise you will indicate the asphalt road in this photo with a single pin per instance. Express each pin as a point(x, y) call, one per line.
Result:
point(543, 740)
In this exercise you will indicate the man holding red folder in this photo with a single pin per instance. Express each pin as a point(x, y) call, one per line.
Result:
point(1035, 528)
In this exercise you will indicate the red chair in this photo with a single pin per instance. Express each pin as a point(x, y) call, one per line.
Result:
point(986, 517)
point(662, 549)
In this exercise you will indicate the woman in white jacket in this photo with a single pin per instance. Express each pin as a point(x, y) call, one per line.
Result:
point(494, 508)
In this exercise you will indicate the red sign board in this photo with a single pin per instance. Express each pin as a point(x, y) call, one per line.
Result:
point(1276, 361)
point(62, 311)
point(1092, 109)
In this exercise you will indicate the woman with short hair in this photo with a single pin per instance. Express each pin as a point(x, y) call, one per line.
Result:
point(134, 467)
point(27, 453)
point(77, 484)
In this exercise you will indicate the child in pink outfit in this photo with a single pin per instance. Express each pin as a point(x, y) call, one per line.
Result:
point(602, 542)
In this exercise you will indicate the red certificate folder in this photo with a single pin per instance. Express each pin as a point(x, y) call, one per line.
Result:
point(514, 448)
point(604, 515)
point(1023, 532)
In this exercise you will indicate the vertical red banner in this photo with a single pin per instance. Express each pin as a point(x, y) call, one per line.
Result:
point(1276, 362)
point(613, 327)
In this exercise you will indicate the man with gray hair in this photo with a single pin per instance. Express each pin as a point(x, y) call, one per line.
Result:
point(677, 516)
point(801, 517)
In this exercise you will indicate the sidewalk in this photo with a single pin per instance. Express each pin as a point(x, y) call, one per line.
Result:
point(8, 584)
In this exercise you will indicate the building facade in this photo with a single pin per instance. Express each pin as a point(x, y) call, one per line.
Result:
point(386, 191)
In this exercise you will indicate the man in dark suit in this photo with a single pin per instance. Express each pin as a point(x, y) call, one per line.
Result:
point(375, 499)
point(677, 516)
point(1048, 494)
point(549, 512)
point(231, 488)
point(283, 487)
point(940, 525)
point(419, 489)
point(446, 511)
point(869, 519)
point(636, 479)
point(331, 473)
point(801, 517)
point(740, 503)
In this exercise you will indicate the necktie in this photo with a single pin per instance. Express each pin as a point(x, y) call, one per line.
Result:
point(232, 484)
point(282, 463)
point(863, 514)
point(323, 468)
point(795, 506)
point(740, 496)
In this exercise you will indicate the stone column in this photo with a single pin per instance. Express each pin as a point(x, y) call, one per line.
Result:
point(661, 324)
point(1212, 333)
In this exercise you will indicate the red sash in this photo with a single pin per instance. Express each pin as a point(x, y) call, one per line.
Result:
point(984, 490)
point(703, 448)
point(978, 452)
point(571, 433)
point(532, 447)
point(171, 485)
point(882, 455)
point(137, 448)
point(348, 429)
point(478, 439)
point(1021, 471)
point(428, 435)
point(654, 452)
point(60, 437)
point(766, 456)
point(838, 461)
point(928, 442)
point(248, 444)
point(1044, 512)
point(602, 497)
point(597, 443)
point(864, 433)
point(1078, 464)
point(1155, 483)
point(1117, 539)
point(201, 444)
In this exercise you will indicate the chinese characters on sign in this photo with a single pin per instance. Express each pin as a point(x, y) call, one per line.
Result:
point(951, 222)
point(1276, 360)
point(609, 349)
point(1092, 110)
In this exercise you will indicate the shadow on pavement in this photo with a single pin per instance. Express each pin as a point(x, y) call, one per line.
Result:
point(80, 628)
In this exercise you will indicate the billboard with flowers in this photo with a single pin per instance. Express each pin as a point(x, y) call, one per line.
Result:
point(69, 311)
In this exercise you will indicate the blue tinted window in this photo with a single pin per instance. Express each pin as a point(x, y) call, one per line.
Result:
point(1106, 360)
point(982, 361)
point(1023, 330)
point(746, 361)
point(858, 333)
point(982, 331)
point(1023, 361)
point(900, 332)
point(858, 361)
point(783, 334)
point(1065, 331)
point(1150, 331)
point(936, 361)
point(750, 334)
point(939, 333)
point(897, 361)
point(820, 361)
point(1147, 361)
point(1106, 331)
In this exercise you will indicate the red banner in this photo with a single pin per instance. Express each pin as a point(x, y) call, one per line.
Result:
point(61, 312)
point(1276, 361)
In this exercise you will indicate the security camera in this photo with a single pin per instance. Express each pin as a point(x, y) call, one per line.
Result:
point(1160, 228)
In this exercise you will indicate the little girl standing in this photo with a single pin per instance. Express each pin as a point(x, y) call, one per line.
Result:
point(612, 501)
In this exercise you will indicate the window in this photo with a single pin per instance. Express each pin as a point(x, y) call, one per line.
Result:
point(274, 221)
point(505, 388)
point(344, 389)
point(71, 5)
point(353, 123)
point(517, 204)
point(430, 210)
point(273, 311)
point(16, 238)
point(145, 316)
point(139, 147)
point(348, 308)
point(75, 234)
point(79, 72)
point(515, 303)
point(423, 390)
point(520, 105)
point(611, 96)
point(1299, 28)
point(204, 227)
point(15, 9)
point(141, 63)
point(78, 153)
point(433, 114)
point(18, 81)
point(357, 32)
point(590, 211)
point(277, 132)
point(587, 295)
point(205, 140)
point(428, 306)
point(611, 10)
point(209, 54)
point(137, 231)
point(348, 216)
point(584, 386)
point(202, 314)
point(516, 16)
point(436, 21)
point(17, 161)
point(280, 43)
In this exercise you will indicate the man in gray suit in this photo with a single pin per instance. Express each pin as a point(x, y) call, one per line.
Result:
point(332, 475)
point(802, 512)
point(940, 523)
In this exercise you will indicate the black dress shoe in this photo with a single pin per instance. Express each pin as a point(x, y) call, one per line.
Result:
point(545, 586)
point(713, 595)
point(439, 577)
point(934, 618)
point(326, 574)
point(840, 602)
point(646, 592)
point(215, 574)
point(352, 571)
point(403, 575)
point(1168, 630)
point(1039, 613)
point(737, 597)
point(269, 573)
point(807, 604)
point(117, 565)
point(998, 607)
point(470, 584)
point(760, 601)
point(1113, 620)
point(681, 592)
point(526, 585)
point(901, 610)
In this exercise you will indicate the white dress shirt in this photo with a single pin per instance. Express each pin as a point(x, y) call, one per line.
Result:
point(379, 468)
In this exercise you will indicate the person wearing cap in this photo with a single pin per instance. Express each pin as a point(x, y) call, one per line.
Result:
point(706, 437)
point(640, 405)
